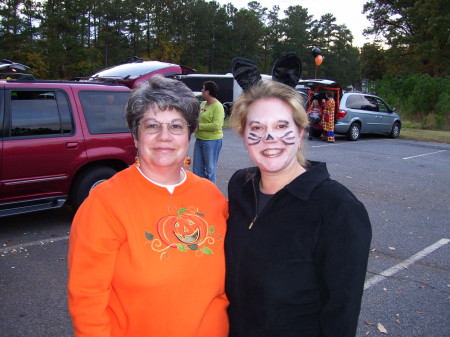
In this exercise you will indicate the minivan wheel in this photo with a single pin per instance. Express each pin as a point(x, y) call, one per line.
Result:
point(354, 132)
point(395, 132)
point(83, 184)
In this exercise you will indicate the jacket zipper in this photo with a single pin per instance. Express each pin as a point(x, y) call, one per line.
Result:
point(256, 205)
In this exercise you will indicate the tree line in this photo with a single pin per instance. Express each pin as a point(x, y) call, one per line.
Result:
point(76, 38)
point(64, 39)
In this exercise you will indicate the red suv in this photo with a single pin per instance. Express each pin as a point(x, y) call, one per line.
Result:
point(58, 139)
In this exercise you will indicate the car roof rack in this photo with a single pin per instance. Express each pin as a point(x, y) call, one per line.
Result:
point(16, 76)
point(28, 79)
point(90, 79)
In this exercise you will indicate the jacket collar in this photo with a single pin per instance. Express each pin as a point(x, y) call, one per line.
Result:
point(306, 183)
point(302, 186)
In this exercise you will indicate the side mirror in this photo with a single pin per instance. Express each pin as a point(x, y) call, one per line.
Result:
point(393, 110)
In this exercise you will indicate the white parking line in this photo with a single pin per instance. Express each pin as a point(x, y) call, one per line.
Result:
point(325, 145)
point(405, 264)
point(29, 244)
point(425, 154)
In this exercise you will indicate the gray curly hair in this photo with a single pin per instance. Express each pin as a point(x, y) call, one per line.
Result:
point(161, 93)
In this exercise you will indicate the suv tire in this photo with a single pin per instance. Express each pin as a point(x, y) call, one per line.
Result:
point(395, 132)
point(354, 132)
point(87, 181)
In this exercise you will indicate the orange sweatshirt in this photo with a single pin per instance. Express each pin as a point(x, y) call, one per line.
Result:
point(144, 262)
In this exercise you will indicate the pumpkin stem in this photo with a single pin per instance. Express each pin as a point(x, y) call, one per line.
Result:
point(181, 211)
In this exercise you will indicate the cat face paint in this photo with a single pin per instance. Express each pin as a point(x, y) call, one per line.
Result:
point(271, 136)
point(258, 132)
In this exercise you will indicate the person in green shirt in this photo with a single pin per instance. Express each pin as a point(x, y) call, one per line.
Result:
point(208, 142)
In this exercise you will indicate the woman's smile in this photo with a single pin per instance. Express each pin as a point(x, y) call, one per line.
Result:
point(272, 152)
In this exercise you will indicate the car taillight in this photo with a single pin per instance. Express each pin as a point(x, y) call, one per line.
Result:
point(341, 114)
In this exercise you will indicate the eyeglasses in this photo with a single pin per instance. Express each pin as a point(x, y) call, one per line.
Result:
point(176, 127)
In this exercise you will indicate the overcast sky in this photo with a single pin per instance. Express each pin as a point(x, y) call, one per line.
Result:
point(348, 12)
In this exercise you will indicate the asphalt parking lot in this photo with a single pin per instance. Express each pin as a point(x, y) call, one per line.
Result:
point(404, 185)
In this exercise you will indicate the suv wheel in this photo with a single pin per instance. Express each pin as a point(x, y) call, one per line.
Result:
point(395, 132)
point(87, 181)
point(354, 132)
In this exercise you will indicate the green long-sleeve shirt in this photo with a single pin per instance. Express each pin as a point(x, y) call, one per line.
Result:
point(210, 121)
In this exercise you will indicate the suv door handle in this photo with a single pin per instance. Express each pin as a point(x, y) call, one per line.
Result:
point(72, 145)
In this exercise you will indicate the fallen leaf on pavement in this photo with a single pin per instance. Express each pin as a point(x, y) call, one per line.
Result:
point(381, 328)
point(367, 323)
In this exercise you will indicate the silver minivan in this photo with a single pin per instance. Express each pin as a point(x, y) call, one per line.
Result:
point(355, 112)
point(364, 113)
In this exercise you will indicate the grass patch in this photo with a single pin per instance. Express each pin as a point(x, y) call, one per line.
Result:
point(425, 135)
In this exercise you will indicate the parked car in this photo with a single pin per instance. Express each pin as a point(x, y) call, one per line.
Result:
point(364, 113)
point(355, 113)
point(58, 139)
point(137, 70)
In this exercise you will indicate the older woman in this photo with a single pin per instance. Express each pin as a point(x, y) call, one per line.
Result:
point(297, 242)
point(146, 247)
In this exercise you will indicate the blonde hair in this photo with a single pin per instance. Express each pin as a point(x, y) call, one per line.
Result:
point(271, 89)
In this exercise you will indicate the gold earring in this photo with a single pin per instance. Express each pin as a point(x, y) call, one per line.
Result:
point(136, 161)
point(187, 161)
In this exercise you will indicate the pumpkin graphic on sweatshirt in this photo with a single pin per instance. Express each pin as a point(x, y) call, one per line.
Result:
point(187, 230)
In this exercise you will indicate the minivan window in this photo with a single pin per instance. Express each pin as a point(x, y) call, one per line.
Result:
point(354, 102)
point(36, 113)
point(369, 103)
point(382, 106)
point(105, 111)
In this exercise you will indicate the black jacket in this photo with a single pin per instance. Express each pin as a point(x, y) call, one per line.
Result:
point(300, 270)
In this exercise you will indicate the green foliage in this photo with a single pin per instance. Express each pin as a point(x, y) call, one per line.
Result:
point(418, 97)
point(416, 32)
point(442, 108)
point(66, 39)
point(36, 61)
point(373, 62)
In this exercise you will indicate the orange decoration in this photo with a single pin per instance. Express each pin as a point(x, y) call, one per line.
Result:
point(186, 227)
point(319, 60)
